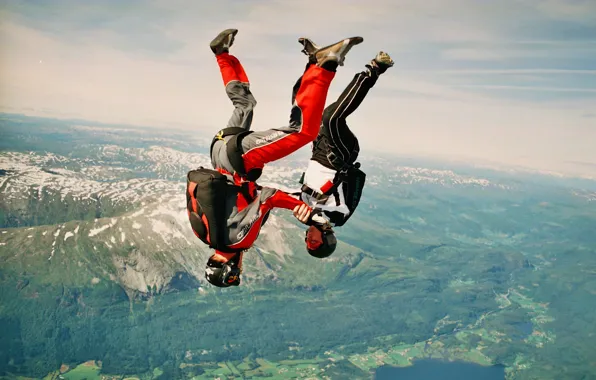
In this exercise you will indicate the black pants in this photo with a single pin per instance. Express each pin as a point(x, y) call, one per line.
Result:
point(335, 136)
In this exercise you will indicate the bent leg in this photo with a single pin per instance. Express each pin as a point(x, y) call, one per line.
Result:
point(244, 103)
point(298, 84)
point(261, 147)
point(238, 90)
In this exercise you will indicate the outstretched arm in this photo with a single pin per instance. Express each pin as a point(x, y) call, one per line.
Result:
point(273, 198)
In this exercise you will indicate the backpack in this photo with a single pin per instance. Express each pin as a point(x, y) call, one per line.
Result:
point(352, 180)
point(207, 191)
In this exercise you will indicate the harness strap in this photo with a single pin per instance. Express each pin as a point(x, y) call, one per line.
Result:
point(224, 133)
point(328, 187)
point(245, 191)
point(313, 193)
point(341, 175)
point(234, 151)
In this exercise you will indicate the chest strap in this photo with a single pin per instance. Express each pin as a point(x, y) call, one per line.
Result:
point(313, 193)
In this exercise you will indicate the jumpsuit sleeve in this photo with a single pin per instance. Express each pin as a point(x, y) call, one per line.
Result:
point(278, 199)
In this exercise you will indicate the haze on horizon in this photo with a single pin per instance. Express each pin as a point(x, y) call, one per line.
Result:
point(510, 82)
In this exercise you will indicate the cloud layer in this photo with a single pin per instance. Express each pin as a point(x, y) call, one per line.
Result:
point(512, 82)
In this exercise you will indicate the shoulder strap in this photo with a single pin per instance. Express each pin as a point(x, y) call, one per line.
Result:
point(245, 191)
point(320, 197)
point(340, 177)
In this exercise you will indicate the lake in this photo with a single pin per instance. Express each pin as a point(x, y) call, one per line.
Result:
point(428, 369)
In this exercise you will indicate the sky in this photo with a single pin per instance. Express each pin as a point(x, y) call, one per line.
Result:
point(510, 82)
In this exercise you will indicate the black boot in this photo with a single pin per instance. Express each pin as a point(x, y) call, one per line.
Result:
point(223, 41)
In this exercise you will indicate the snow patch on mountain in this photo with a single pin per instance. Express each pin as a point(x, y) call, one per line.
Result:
point(26, 174)
point(96, 231)
point(405, 175)
point(158, 231)
point(56, 234)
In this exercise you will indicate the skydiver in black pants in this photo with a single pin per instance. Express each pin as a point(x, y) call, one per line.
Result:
point(333, 182)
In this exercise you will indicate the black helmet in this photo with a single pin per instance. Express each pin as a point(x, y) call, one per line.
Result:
point(329, 243)
point(225, 274)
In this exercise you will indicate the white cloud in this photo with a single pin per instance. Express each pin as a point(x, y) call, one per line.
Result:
point(574, 10)
point(472, 55)
point(101, 83)
point(510, 71)
point(530, 88)
point(534, 136)
point(175, 81)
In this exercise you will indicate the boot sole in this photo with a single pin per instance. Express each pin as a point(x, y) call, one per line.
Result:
point(221, 36)
point(308, 42)
point(343, 50)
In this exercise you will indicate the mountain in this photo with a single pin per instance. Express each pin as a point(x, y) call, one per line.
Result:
point(99, 264)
